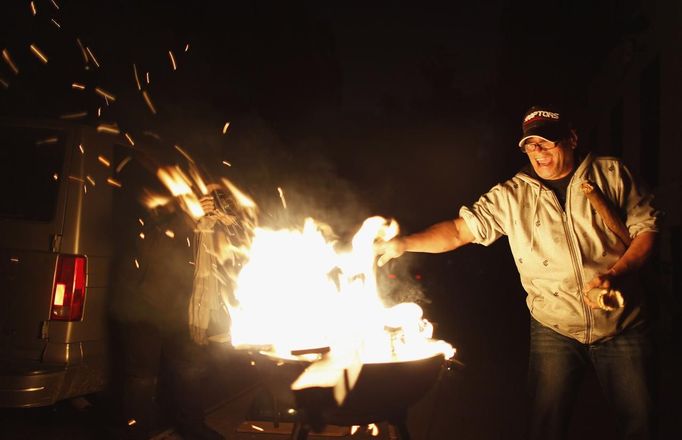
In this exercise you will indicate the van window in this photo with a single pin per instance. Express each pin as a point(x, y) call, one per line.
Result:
point(32, 162)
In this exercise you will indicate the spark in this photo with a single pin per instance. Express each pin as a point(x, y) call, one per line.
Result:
point(74, 115)
point(55, 23)
point(52, 140)
point(191, 262)
point(99, 111)
point(85, 55)
point(137, 265)
point(78, 86)
point(4, 83)
point(137, 79)
point(113, 182)
point(90, 180)
point(148, 101)
point(188, 244)
point(226, 163)
point(172, 59)
point(76, 179)
point(14, 259)
point(147, 75)
point(38, 53)
point(92, 56)
point(354, 429)
point(123, 163)
point(151, 134)
point(105, 94)
point(10, 63)
point(225, 127)
point(130, 139)
point(186, 47)
point(108, 128)
point(142, 235)
point(55, 176)
point(141, 221)
point(55, 4)
point(374, 428)
point(103, 160)
point(85, 189)
point(33, 9)
point(257, 428)
point(80, 147)
point(106, 101)
point(169, 233)
point(281, 196)
point(184, 153)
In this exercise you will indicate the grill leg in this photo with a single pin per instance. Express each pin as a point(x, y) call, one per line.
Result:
point(300, 431)
point(398, 431)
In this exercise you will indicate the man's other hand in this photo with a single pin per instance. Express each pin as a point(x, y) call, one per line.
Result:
point(602, 281)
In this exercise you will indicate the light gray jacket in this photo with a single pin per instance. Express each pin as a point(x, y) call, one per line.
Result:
point(558, 250)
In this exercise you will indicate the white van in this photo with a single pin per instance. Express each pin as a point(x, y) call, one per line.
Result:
point(56, 210)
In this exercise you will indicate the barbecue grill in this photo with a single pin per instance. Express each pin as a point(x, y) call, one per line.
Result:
point(382, 392)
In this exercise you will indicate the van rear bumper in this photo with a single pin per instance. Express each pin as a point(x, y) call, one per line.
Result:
point(30, 384)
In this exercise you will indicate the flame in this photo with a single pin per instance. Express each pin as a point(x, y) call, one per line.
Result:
point(297, 292)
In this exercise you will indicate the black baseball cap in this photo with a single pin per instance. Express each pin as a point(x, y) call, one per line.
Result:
point(547, 122)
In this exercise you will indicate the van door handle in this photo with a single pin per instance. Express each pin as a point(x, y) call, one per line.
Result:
point(56, 242)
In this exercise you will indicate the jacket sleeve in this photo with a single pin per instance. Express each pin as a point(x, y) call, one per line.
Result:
point(485, 218)
point(637, 203)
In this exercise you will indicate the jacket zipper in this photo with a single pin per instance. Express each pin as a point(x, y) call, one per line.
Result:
point(576, 270)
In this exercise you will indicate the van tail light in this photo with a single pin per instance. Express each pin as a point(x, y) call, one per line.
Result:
point(68, 290)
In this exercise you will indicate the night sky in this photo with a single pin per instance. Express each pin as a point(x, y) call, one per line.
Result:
point(402, 109)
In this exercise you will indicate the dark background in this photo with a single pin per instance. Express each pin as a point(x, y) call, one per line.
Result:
point(353, 108)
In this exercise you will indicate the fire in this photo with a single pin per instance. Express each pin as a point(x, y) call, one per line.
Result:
point(297, 292)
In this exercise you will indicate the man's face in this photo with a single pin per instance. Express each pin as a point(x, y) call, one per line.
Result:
point(551, 161)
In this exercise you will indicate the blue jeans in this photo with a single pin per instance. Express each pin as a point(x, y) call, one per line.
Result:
point(625, 368)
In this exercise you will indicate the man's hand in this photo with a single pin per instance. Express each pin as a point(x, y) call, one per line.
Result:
point(388, 250)
point(207, 204)
point(602, 281)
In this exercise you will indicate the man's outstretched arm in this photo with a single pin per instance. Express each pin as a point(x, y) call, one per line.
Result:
point(441, 237)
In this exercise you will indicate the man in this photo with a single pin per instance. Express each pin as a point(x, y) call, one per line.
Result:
point(562, 250)
point(162, 370)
